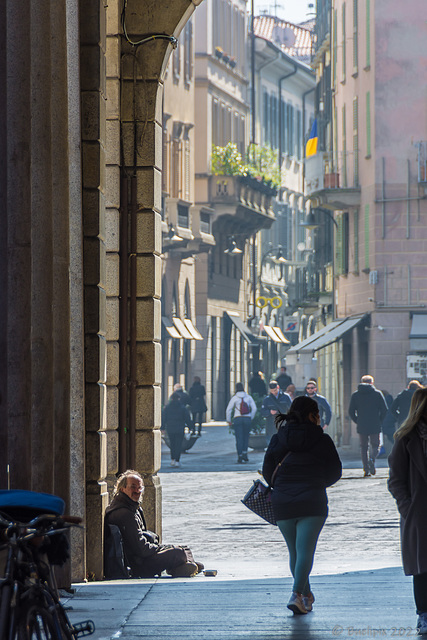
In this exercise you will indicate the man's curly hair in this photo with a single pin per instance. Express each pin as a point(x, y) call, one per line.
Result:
point(122, 480)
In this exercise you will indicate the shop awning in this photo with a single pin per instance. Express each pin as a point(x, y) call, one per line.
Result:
point(170, 328)
point(419, 326)
point(281, 335)
point(272, 333)
point(327, 335)
point(192, 329)
point(186, 328)
point(242, 327)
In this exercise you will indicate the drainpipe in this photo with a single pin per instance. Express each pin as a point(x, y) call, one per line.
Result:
point(288, 75)
point(132, 311)
point(123, 311)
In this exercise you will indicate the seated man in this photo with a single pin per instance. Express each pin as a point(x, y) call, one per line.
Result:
point(143, 553)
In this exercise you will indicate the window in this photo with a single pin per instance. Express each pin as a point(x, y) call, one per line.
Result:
point(298, 146)
point(205, 222)
point(215, 132)
point(335, 46)
point(188, 52)
point(368, 124)
point(355, 142)
point(355, 38)
point(368, 34)
point(341, 246)
point(344, 148)
point(343, 42)
point(356, 242)
point(183, 216)
point(176, 63)
point(290, 129)
point(366, 236)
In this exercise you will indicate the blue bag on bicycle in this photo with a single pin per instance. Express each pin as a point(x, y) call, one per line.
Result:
point(25, 505)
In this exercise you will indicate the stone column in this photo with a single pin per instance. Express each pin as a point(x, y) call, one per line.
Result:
point(93, 100)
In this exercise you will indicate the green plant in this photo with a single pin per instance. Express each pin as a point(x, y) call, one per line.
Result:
point(261, 164)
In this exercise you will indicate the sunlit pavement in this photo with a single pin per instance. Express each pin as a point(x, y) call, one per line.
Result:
point(357, 579)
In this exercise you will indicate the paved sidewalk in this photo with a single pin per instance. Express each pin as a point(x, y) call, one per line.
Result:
point(357, 579)
point(359, 604)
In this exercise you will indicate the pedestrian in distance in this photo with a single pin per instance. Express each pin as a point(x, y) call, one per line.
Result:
point(175, 417)
point(142, 550)
point(183, 395)
point(368, 410)
point(402, 402)
point(324, 406)
point(197, 394)
point(257, 384)
point(240, 412)
point(408, 485)
point(276, 402)
point(388, 427)
point(291, 391)
point(283, 379)
point(309, 463)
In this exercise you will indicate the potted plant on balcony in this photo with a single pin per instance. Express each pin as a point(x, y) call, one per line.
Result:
point(219, 52)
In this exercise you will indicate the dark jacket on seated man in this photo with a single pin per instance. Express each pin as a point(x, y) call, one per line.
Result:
point(143, 553)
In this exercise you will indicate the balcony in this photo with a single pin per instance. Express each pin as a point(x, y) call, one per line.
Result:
point(243, 201)
point(327, 185)
point(188, 229)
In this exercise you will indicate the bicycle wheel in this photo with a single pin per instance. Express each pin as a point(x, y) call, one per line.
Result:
point(36, 623)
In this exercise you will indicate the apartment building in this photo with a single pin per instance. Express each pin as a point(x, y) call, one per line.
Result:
point(371, 174)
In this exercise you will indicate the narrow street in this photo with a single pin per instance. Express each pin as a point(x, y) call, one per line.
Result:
point(357, 578)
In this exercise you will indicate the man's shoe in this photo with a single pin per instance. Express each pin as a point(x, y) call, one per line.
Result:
point(240, 460)
point(308, 601)
point(422, 624)
point(173, 463)
point(372, 469)
point(200, 567)
point(245, 457)
point(366, 474)
point(296, 603)
point(186, 570)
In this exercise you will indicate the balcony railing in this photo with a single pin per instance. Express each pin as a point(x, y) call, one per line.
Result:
point(422, 160)
point(333, 181)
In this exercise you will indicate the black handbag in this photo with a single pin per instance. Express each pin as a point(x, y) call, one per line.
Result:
point(258, 498)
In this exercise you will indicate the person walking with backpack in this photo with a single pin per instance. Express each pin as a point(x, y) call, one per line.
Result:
point(242, 410)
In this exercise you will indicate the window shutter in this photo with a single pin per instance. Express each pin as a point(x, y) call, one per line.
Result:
point(355, 37)
point(344, 148)
point(366, 236)
point(343, 43)
point(356, 242)
point(368, 123)
point(355, 142)
point(368, 33)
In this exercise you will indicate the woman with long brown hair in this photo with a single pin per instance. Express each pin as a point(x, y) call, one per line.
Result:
point(408, 485)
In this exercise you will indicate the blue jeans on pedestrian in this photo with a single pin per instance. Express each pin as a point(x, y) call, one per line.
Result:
point(242, 427)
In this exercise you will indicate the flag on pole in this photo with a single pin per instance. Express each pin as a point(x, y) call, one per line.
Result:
point(311, 146)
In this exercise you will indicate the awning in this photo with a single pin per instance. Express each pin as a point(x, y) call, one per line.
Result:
point(327, 335)
point(242, 327)
point(281, 335)
point(271, 333)
point(192, 329)
point(184, 331)
point(419, 326)
point(172, 331)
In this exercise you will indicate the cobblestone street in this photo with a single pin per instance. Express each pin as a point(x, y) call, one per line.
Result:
point(201, 507)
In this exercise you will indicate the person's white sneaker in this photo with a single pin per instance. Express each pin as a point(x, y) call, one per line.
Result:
point(173, 463)
point(296, 603)
point(308, 601)
point(177, 463)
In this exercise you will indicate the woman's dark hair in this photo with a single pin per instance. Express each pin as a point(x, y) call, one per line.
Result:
point(239, 387)
point(298, 412)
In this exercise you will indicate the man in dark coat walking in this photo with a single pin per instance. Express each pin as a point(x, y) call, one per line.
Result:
point(368, 410)
point(402, 402)
point(276, 402)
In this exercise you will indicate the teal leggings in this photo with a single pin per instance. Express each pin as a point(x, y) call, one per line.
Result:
point(301, 536)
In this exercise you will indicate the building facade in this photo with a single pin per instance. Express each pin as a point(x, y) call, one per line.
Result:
point(370, 174)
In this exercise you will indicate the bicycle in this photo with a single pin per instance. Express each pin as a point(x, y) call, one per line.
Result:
point(30, 608)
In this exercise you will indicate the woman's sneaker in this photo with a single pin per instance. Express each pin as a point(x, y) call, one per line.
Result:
point(296, 603)
point(308, 601)
point(422, 624)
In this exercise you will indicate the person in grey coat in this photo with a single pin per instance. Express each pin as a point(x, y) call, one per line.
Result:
point(408, 485)
point(368, 410)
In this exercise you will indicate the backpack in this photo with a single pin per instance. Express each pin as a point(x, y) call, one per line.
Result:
point(114, 559)
point(244, 408)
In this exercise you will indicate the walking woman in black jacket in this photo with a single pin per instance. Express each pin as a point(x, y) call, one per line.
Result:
point(299, 497)
point(175, 418)
point(408, 485)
